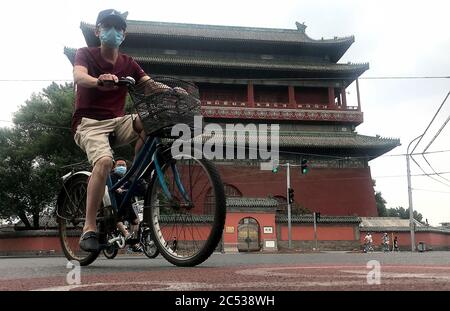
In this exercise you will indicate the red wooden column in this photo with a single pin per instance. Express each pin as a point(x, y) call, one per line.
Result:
point(250, 95)
point(331, 103)
point(344, 98)
point(292, 103)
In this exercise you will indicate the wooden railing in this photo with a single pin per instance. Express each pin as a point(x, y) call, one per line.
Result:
point(230, 103)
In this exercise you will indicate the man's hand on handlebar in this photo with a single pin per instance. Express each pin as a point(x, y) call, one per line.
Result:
point(107, 82)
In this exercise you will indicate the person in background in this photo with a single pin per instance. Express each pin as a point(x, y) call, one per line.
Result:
point(368, 242)
point(396, 249)
point(385, 240)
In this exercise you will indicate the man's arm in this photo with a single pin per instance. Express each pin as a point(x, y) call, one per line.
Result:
point(152, 85)
point(82, 78)
point(150, 82)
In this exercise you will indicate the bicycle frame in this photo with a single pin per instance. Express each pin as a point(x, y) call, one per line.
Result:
point(145, 157)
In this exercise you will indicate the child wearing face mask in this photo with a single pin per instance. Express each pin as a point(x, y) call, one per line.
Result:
point(126, 212)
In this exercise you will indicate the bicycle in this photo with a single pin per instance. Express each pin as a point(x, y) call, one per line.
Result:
point(368, 247)
point(184, 205)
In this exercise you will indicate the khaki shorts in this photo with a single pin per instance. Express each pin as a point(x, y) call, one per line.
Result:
point(92, 136)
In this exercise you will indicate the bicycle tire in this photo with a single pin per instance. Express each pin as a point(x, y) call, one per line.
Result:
point(110, 254)
point(176, 253)
point(151, 251)
point(74, 198)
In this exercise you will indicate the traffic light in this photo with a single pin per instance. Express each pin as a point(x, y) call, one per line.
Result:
point(304, 166)
point(275, 169)
point(290, 195)
point(275, 166)
point(317, 216)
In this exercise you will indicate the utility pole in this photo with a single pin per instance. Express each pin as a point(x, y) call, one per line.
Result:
point(288, 183)
point(410, 200)
point(315, 231)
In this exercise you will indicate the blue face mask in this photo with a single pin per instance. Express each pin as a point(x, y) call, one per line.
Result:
point(111, 37)
point(120, 170)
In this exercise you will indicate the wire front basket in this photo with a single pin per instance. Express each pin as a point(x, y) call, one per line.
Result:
point(163, 104)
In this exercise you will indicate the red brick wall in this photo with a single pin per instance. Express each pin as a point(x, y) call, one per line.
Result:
point(325, 232)
point(24, 244)
point(334, 192)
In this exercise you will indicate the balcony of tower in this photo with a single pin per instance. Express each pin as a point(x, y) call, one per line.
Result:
point(282, 103)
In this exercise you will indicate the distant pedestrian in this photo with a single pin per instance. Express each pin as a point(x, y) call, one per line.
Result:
point(396, 249)
point(385, 240)
point(368, 243)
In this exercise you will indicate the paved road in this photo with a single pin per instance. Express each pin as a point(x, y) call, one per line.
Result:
point(319, 271)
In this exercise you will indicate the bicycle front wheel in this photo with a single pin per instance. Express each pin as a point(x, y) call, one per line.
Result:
point(187, 226)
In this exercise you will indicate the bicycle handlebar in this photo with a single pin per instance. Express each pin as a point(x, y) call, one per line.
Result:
point(128, 81)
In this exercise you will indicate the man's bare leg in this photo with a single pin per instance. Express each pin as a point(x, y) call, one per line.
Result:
point(139, 128)
point(122, 228)
point(95, 191)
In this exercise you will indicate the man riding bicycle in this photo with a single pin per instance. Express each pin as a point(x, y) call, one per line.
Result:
point(99, 110)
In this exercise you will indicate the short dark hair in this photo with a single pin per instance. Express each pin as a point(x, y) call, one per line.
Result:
point(120, 159)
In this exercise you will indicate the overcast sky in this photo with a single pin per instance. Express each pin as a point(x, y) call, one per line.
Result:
point(397, 38)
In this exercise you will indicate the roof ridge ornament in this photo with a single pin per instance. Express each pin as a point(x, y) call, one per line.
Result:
point(301, 27)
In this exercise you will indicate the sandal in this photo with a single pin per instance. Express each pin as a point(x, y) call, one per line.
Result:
point(89, 241)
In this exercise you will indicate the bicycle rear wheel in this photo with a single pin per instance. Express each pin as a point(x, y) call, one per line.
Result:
point(187, 228)
point(71, 213)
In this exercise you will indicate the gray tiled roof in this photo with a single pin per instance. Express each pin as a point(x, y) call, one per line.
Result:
point(323, 219)
point(380, 222)
point(247, 63)
point(237, 61)
point(251, 202)
point(223, 32)
point(317, 140)
point(405, 229)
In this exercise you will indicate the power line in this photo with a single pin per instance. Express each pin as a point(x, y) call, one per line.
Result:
point(405, 77)
point(40, 124)
point(36, 80)
point(418, 175)
point(434, 171)
point(420, 153)
point(428, 175)
point(428, 190)
point(283, 152)
point(437, 134)
point(270, 79)
point(432, 120)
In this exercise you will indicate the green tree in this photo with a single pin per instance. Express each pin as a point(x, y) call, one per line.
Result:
point(381, 204)
point(34, 150)
point(403, 213)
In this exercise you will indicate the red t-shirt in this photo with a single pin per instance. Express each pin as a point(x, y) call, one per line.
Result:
point(101, 105)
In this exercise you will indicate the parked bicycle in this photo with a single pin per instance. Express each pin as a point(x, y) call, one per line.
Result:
point(184, 206)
